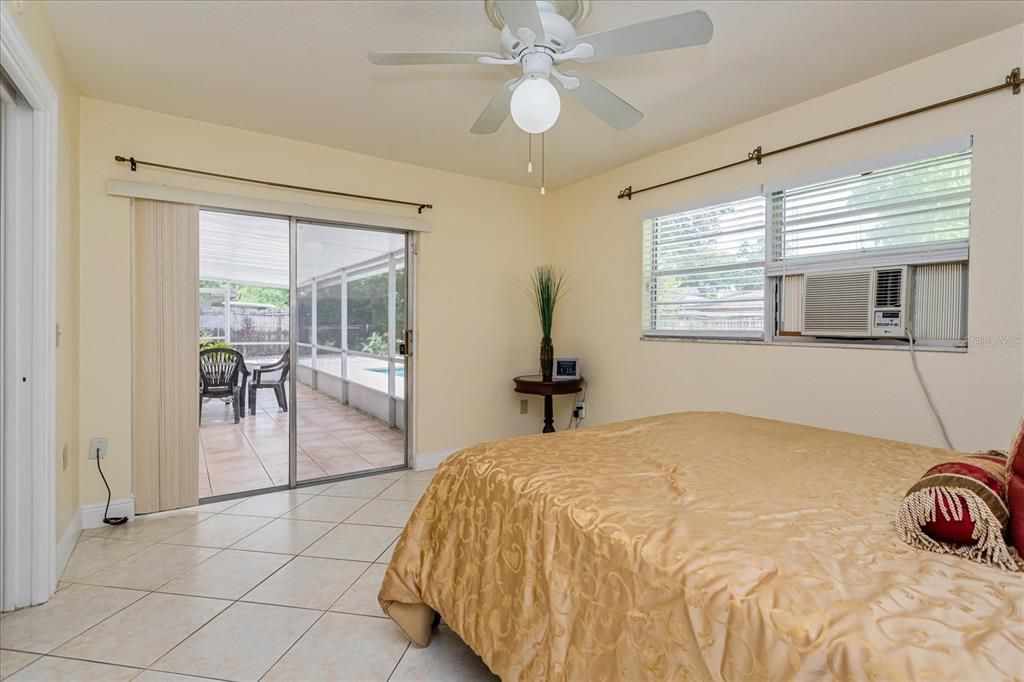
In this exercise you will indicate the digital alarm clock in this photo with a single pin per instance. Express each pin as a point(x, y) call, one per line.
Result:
point(566, 368)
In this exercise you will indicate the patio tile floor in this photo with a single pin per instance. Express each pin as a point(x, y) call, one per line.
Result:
point(333, 439)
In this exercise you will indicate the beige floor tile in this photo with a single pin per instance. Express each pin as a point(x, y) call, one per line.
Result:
point(385, 458)
point(361, 598)
point(356, 543)
point(13, 661)
point(367, 488)
point(424, 473)
point(67, 669)
point(150, 568)
point(314, 489)
point(242, 643)
point(326, 508)
point(270, 504)
point(145, 631)
point(343, 647)
point(447, 658)
point(69, 613)
point(380, 512)
point(336, 466)
point(284, 536)
point(151, 527)
point(93, 553)
point(308, 582)
point(157, 676)
point(222, 530)
point(227, 575)
point(385, 556)
point(409, 489)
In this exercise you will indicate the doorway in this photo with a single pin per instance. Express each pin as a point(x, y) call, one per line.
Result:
point(316, 313)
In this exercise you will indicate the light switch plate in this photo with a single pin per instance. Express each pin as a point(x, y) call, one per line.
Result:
point(98, 444)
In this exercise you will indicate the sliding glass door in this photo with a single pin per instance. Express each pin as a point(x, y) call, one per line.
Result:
point(349, 370)
point(302, 330)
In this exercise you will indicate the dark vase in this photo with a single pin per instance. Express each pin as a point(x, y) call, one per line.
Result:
point(547, 358)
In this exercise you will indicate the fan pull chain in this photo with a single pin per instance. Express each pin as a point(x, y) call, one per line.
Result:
point(543, 160)
point(529, 163)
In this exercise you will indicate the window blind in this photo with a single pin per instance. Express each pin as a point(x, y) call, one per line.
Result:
point(913, 207)
point(704, 271)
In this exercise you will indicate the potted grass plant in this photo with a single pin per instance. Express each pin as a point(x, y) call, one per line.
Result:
point(546, 287)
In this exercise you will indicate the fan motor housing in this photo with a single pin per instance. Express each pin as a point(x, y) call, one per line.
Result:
point(559, 34)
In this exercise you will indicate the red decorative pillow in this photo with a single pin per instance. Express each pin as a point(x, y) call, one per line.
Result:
point(1015, 490)
point(958, 507)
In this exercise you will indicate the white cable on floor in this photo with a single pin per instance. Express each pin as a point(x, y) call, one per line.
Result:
point(927, 394)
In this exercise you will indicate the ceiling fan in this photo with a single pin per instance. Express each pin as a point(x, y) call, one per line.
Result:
point(539, 39)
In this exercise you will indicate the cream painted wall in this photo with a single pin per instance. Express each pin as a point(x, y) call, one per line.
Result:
point(980, 393)
point(475, 329)
point(34, 26)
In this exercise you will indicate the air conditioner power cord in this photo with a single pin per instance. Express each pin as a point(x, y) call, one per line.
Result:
point(106, 518)
point(927, 393)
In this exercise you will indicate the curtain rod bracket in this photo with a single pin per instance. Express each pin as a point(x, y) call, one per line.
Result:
point(1014, 79)
point(423, 206)
point(755, 155)
point(131, 160)
point(627, 193)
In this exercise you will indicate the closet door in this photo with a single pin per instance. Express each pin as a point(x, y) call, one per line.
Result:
point(165, 355)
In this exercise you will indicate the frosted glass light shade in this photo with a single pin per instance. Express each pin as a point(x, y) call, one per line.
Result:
point(535, 105)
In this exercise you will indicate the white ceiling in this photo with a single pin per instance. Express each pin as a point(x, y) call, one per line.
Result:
point(252, 249)
point(298, 69)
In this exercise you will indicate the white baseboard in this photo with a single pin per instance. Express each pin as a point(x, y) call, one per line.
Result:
point(431, 460)
point(66, 545)
point(92, 514)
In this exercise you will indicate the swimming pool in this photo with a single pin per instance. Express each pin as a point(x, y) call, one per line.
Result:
point(399, 371)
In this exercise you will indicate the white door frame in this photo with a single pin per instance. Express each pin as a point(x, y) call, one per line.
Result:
point(27, 457)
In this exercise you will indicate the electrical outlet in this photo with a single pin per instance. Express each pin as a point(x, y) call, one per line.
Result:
point(524, 406)
point(100, 445)
point(580, 410)
point(64, 457)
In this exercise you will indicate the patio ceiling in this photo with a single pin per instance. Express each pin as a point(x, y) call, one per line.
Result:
point(250, 249)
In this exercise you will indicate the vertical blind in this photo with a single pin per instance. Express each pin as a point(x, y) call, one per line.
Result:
point(704, 271)
point(920, 204)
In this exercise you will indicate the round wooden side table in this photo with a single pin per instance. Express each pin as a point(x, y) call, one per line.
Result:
point(533, 384)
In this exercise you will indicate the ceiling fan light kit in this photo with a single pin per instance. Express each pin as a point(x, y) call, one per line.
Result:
point(536, 37)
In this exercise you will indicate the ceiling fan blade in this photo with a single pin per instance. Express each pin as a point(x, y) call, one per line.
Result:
point(496, 111)
point(417, 58)
point(521, 14)
point(666, 33)
point(602, 102)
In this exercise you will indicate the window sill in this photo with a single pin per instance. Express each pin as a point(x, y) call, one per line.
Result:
point(804, 344)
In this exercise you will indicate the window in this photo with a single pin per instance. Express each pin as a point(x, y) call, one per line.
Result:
point(910, 207)
point(704, 271)
point(707, 271)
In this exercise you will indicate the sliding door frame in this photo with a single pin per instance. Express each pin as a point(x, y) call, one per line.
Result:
point(409, 378)
point(411, 289)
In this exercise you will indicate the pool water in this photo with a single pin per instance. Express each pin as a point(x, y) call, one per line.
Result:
point(399, 371)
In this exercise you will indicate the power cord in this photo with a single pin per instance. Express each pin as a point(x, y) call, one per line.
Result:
point(106, 519)
point(927, 394)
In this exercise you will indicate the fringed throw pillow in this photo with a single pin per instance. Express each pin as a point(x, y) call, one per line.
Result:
point(959, 507)
point(1015, 491)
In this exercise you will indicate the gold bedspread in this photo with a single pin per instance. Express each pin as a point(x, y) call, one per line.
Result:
point(697, 546)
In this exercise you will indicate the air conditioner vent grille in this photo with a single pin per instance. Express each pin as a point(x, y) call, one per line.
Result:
point(837, 302)
point(888, 288)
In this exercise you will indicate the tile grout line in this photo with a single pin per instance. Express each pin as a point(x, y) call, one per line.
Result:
point(240, 599)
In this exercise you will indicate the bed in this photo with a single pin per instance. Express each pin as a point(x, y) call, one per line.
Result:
point(698, 545)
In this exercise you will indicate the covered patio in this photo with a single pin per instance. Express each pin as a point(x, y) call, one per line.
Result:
point(350, 312)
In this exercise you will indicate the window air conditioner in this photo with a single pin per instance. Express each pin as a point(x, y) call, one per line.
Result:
point(869, 302)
